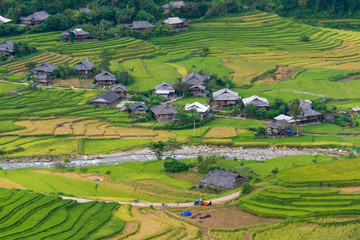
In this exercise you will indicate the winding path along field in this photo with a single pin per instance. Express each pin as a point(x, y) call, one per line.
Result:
point(215, 201)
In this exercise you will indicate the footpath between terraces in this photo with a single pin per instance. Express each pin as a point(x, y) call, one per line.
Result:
point(215, 201)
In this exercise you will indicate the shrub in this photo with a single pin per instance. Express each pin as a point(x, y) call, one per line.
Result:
point(59, 165)
point(83, 169)
point(246, 188)
point(175, 166)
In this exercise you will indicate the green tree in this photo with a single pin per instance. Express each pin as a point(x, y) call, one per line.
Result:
point(296, 112)
point(30, 65)
point(158, 148)
point(105, 55)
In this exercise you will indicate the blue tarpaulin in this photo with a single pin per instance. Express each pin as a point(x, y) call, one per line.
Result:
point(97, 180)
point(186, 214)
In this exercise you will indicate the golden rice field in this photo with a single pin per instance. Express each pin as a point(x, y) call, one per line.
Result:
point(221, 132)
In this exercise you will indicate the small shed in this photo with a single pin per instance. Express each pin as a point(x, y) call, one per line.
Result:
point(329, 118)
point(139, 26)
point(120, 89)
point(79, 34)
point(138, 108)
point(202, 109)
point(223, 179)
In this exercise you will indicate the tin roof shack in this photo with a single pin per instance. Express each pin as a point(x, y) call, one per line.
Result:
point(196, 83)
point(44, 79)
point(353, 110)
point(108, 99)
point(84, 67)
point(279, 128)
point(139, 26)
point(176, 23)
point(165, 89)
point(257, 101)
point(164, 113)
point(138, 108)
point(202, 109)
point(179, 5)
point(121, 90)
point(35, 18)
point(105, 79)
point(4, 20)
point(79, 35)
point(7, 48)
point(223, 179)
point(225, 98)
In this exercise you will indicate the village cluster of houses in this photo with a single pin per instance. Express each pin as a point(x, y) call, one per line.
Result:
point(45, 71)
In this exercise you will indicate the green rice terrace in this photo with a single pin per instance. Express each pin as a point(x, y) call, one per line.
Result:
point(303, 186)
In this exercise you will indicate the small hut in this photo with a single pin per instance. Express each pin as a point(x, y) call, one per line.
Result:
point(223, 179)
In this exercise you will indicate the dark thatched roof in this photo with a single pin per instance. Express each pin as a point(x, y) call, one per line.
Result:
point(163, 109)
point(195, 79)
point(138, 105)
point(257, 101)
point(37, 16)
point(119, 88)
point(222, 179)
point(108, 97)
point(329, 118)
point(84, 65)
point(282, 125)
point(139, 25)
point(105, 76)
point(164, 86)
point(7, 46)
point(45, 67)
point(225, 95)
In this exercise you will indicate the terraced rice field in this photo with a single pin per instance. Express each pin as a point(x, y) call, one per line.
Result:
point(26, 215)
point(18, 67)
point(302, 203)
point(267, 37)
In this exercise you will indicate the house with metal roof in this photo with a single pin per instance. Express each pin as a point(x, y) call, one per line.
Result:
point(138, 108)
point(202, 109)
point(225, 98)
point(179, 5)
point(4, 20)
point(139, 26)
point(176, 23)
point(223, 179)
point(257, 101)
point(283, 117)
point(164, 113)
point(105, 78)
point(79, 35)
point(108, 99)
point(279, 128)
point(165, 89)
point(84, 67)
point(35, 18)
point(7, 48)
